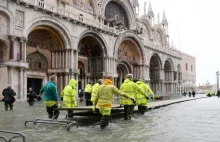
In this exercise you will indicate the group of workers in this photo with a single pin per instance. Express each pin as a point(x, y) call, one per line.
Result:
point(211, 93)
point(100, 94)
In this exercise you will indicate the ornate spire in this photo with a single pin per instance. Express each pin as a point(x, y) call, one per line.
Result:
point(150, 11)
point(145, 5)
point(164, 19)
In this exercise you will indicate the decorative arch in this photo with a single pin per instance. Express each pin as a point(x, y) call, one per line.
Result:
point(127, 8)
point(37, 62)
point(97, 36)
point(129, 35)
point(9, 14)
point(157, 33)
point(129, 52)
point(158, 58)
point(123, 68)
point(148, 27)
point(85, 4)
point(169, 63)
point(45, 37)
point(56, 26)
point(125, 65)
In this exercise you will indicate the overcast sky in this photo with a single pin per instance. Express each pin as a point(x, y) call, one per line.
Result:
point(199, 29)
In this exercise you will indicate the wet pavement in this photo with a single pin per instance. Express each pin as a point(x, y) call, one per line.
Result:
point(191, 121)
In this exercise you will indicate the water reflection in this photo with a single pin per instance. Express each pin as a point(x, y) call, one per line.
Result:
point(193, 121)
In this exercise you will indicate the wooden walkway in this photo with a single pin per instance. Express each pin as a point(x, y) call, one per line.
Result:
point(116, 110)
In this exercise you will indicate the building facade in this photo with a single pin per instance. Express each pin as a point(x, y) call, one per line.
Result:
point(88, 40)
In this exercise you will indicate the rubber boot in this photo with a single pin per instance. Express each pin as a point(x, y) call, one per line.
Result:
point(50, 116)
point(70, 114)
point(105, 121)
point(55, 116)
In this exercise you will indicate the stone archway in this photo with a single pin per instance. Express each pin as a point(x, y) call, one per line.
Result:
point(125, 5)
point(46, 55)
point(117, 18)
point(129, 52)
point(155, 68)
point(123, 68)
point(91, 55)
point(168, 77)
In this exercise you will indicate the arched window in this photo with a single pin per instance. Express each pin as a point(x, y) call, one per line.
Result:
point(186, 66)
point(191, 68)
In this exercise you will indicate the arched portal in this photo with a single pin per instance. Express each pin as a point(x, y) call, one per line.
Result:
point(168, 76)
point(155, 67)
point(46, 54)
point(116, 16)
point(91, 57)
point(122, 70)
point(129, 53)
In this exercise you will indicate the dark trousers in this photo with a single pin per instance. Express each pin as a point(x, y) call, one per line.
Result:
point(52, 111)
point(31, 102)
point(104, 121)
point(8, 104)
point(88, 99)
point(142, 109)
point(128, 111)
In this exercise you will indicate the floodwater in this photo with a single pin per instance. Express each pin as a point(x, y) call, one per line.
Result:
point(192, 121)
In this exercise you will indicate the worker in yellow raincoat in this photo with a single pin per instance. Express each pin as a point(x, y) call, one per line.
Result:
point(95, 90)
point(69, 97)
point(104, 100)
point(131, 89)
point(141, 99)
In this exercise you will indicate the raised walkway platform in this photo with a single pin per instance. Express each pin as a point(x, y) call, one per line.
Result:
point(116, 109)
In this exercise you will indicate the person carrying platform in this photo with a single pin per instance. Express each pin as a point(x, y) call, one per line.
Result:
point(131, 89)
point(104, 100)
point(69, 97)
point(87, 92)
point(95, 90)
point(141, 99)
point(51, 97)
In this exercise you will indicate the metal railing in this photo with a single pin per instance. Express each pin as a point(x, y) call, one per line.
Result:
point(17, 135)
point(65, 123)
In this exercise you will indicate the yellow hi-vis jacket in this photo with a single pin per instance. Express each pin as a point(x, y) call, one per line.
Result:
point(141, 99)
point(130, 88)
point(69, 97)
point(88, 88)
point(105, 95)
point(94, 91)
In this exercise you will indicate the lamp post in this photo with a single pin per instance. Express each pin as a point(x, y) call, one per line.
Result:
point(217, 74)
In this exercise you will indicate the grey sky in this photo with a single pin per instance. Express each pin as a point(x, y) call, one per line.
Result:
point(199, 26)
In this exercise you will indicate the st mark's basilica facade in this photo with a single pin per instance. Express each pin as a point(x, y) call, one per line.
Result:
point(88, 40)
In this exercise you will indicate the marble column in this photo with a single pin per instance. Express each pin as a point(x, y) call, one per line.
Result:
point(21, 94)
point(11, 53)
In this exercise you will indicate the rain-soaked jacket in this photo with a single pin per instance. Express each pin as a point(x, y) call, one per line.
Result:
point(50, 93)
point(88, 88)
point(94, 91)
point(69, 97)
point(130, 88)
point(106, 93)
point(140, 98)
